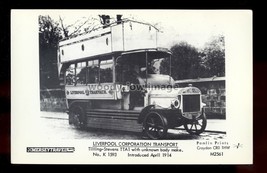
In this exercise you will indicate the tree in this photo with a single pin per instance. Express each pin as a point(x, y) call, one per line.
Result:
point(186, 62)
point(189, 62)
point(50, 33)
point(85, 24)
point(214, 56)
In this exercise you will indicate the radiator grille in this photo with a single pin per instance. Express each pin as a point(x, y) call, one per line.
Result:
point(191, 103)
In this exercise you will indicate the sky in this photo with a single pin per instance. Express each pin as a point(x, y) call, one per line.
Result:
point(195, 27)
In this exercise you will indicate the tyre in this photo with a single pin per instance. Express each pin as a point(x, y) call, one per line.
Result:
point(77, 117)
point(196, 126)
point(155, 126)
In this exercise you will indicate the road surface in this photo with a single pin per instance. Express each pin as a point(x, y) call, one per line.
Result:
point(56, 126)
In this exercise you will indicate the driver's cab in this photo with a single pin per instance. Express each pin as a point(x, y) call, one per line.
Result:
point(141, 70)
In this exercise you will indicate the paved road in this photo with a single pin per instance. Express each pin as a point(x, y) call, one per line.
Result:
point(56, 126)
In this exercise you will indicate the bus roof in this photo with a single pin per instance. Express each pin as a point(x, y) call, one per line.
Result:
point(159, 49)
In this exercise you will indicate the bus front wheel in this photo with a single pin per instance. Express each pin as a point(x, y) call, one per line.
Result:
point(196, 126)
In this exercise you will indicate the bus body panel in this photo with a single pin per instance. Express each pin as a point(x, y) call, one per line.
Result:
point(126, 36)
point(92, 91)
point(83, 49)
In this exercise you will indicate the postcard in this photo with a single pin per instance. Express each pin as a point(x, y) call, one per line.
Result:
point(131, 87)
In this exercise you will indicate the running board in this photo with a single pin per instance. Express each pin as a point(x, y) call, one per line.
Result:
point(125, 120)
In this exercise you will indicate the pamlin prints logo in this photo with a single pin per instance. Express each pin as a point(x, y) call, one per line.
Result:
point(50, 149)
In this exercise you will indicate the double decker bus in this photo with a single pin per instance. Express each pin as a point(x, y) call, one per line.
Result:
point(114, 79)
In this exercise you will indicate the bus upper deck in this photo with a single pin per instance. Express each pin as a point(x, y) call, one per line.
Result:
point(125, 35)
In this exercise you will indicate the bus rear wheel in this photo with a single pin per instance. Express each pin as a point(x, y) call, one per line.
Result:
point(77, 117)
point(155, 126)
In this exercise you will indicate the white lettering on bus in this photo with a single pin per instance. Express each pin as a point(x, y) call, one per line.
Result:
point(77, 92)
point(98, 92)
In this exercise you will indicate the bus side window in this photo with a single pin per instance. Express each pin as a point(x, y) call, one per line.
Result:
point(106, 71)
point(70, 75)
point(93, 71)
point(81, 73)
point(118, 73)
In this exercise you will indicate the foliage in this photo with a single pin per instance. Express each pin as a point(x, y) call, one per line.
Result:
point(189, 63)
point(214, 56)
point(186, 62)
point(50, 33)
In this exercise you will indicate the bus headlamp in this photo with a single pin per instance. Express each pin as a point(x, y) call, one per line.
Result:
point(175, 104)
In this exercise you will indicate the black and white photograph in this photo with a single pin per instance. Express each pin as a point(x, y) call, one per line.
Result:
point(134, 86)
point(116, 72)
